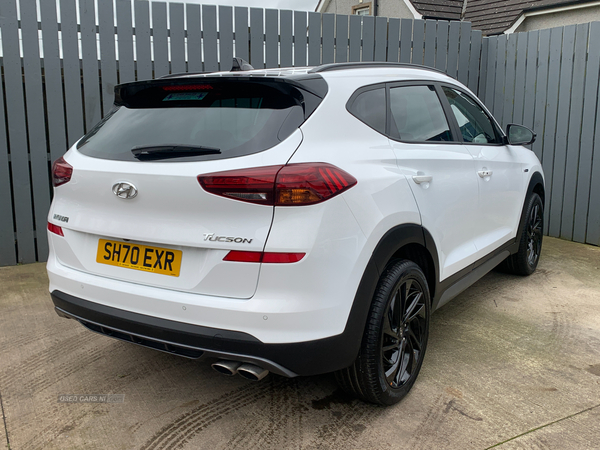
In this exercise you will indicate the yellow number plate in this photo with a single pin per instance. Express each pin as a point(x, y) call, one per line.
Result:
point(139, 257)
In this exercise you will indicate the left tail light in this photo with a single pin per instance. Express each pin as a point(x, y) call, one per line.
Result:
point(290, 185)
point(61, 172)
point(55, 229)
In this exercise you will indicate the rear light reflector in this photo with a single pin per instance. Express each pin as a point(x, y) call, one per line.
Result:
point(55, 229)
point(265, 257)
point(291, 185)
point(61, 172)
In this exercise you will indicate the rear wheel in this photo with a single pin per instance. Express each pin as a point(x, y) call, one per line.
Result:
point(525, 261)
point(395, 337)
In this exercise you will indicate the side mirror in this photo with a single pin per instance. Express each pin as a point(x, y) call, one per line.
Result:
point(519, 135)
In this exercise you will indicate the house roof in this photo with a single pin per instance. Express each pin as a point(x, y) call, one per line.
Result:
point(489, 16)
point(439, 9)
point(497, 16)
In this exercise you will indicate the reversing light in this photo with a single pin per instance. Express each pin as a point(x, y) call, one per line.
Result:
point(55, 229)
point(61, 172)
point(264, 257)
point(290, 185)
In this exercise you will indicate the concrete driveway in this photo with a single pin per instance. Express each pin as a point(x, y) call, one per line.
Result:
point(512, 363)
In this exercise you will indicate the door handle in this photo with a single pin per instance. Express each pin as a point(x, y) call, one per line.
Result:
point(422, 178)
point(484, 173)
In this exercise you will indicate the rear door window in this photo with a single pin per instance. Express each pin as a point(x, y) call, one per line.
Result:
point(417, 115)
point(369, 107)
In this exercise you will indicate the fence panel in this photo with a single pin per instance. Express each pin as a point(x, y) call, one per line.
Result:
point(226, 36)
point(124, 41)
point(17, 135)
point(355, 28)
point(464, 50)
point(381, 33)
point(406, 31)
point(475, 60)
point(430, 32)
point(453, 39)
point(562, 130)
point(341, 38)
point(509, 80)
point(36, 127)
point(8, 251)
point(71, 70)
point(418, 41)
point(393, 51)
point(108, 60)
point(541, 88)
point(57, 136)
point(314, 38)
point(556, 37)
point(368, 38)
point(584, 199)
point(242, 39)
point(209, 38)
point(441, 53)
point(271, 39)
point(530, 78)
point(256, 38)
point(545, 79)
point(143, 47)
point(177, 41)
point(574, 137)
point(160, 40)
point(328, 38)
point(300, 26)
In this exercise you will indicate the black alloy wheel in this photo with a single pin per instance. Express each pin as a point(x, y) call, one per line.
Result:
point(395, 337)
point(534, 235)
point(525, 261)
point(404, 333)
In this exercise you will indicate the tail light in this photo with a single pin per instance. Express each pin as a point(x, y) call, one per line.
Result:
point(290, 185)
point(55, 229)
point(61, 172)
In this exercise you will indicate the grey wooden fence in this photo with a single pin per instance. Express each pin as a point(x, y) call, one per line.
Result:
point(548, 80)
point(51, 100)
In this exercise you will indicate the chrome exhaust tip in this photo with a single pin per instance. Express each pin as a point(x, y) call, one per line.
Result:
point(229, 368)
point(252, 372)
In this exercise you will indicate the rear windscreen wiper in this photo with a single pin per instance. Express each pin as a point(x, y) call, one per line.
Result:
point(153, 152)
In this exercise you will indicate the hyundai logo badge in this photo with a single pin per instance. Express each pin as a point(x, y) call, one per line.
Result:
point(124, 190)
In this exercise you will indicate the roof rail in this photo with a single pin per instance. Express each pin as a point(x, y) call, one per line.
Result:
point(369, 64)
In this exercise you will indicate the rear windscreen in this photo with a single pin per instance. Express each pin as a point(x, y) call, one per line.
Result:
point(236, 117)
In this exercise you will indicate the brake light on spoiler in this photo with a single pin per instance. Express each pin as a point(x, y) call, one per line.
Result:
point(289, 185)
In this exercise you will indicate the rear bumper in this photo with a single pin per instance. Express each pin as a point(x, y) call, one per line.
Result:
point(194, 341)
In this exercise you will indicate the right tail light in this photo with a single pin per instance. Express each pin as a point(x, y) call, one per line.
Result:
point(289, 185)
point(61, 172)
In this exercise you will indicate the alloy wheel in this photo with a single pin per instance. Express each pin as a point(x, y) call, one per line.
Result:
point(404, 333)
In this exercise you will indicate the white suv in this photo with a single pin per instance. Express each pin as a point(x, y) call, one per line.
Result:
point(298, 221)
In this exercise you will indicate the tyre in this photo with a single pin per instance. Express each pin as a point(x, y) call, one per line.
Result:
point(525, 261)
point(395, 337)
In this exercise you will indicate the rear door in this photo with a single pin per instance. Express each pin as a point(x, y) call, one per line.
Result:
point(441, 172)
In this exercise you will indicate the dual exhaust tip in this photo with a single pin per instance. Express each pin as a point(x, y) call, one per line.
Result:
point(245, 370)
